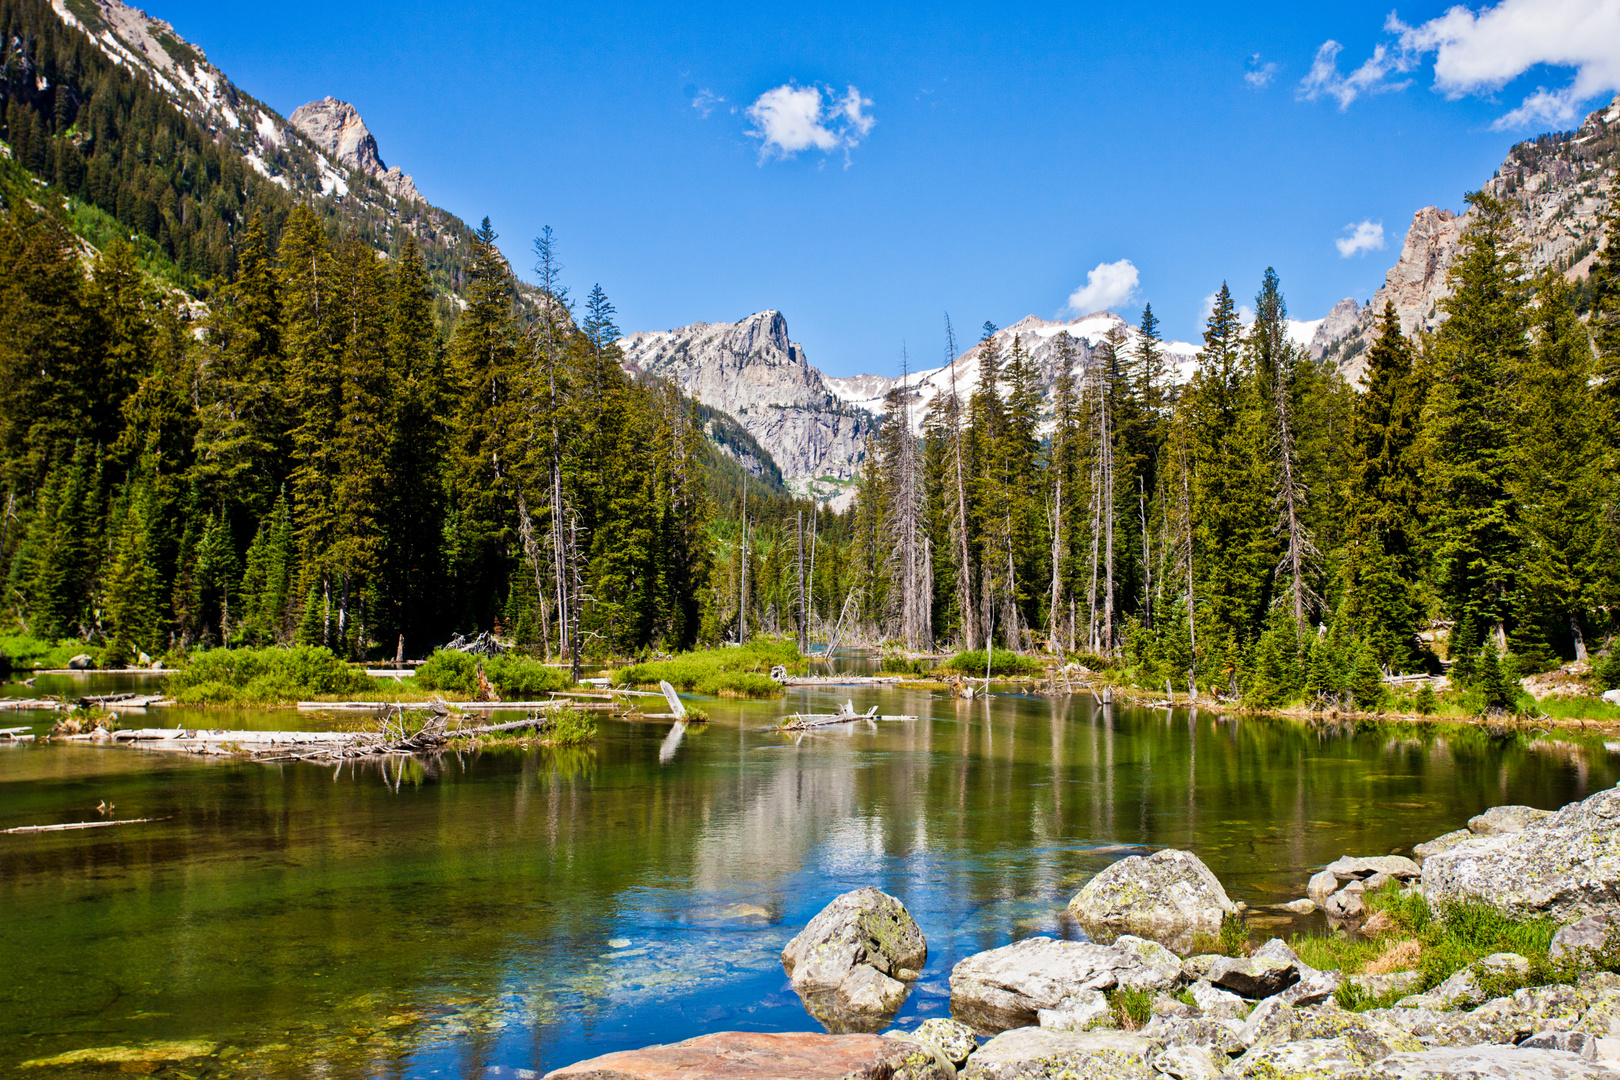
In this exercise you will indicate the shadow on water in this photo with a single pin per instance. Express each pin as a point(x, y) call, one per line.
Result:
point(517, 910)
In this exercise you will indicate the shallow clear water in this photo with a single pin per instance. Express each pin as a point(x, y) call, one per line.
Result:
point(500, 913)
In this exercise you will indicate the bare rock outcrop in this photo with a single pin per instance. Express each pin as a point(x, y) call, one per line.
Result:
point(336, 129)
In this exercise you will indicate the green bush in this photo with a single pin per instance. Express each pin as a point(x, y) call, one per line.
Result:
point(515, 678)
point(25, 652)
point(1003, 662)
point(903, 665)
point(571, 727)
point(265, 676)
point(1605, 669)
point(735, 672)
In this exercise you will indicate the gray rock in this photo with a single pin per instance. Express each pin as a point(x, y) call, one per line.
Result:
point(867, 989)
point(864, 927)
point(336, 128)
point(1321, 886)
point(1277, 949)
point(1161, 968)
point(1372, 1036)
point(1440, 843)
point(1379, 985)
point(1079, 1013)
point(1584, 936)
point(1462, 990)
point(1175, 1008)
point(1566, 865)
point(1302, 906)
point(1396, 866)
point(81, 662)
point(1485, 1063)
point(1032, 1053)
point(1501, 820)
point(953, 1039)
point(1578, 1043)
point(1610, 696)
point(1345, 905)
point(1007, 987)
point(1169, 895)
point(1217, 1036)
point(1187, 1063)
point(1313, 988)
point(1249, 976)
point(1303, 1059)
point(1218, 1004)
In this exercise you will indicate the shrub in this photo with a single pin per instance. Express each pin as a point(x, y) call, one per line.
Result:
point(571, 727)
point(515, 678)
point(1132, 1008)
point(735, 672)
point(1002, 662)
point(902, 665)
point(265, 676)
point(25, 652)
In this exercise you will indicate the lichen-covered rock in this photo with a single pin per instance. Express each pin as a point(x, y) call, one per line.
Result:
point(1345, 904)
point(1441, 843)
point(1031, 1053)
point(954, 1039)
point(1168, 896)
point(1564, 865)
point(1462, 989)
point(1485, 1063)
point(1379, 985)
point(1161, 968)
point(1395, 866)
point(1578, 1043)
point(1007, 987)
point(1589, 935)
point(1303, 1059)
point(1217, 1036)
point(1313, 988)
point(1218, 1004)
point(1501, 820)
point(1371, 1037)
point(755, 1055)
point(1188, 1063)
point(1247, 976)
point(1079, 1013)
point(866, 926)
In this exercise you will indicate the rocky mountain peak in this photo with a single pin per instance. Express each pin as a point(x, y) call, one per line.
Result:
point(335, 127)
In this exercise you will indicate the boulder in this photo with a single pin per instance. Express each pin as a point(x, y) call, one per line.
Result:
point(1462, 990)
point(1302, 906)
point(1610, 696)
point(1161, 968)
point(1379, 985)
point(81, 662)
point(1248, 976)
point(1321, 886)
point(953, 1039)
point(864, 927)
point(1439, 844)
point(754, 1055)
point(1217, 1004)
point(1007, 987)
point(1578, 1043)
point(1187, 1063)
point(1588, 935)
point(1565, 865)
point(1501, 820)
point(1372, 1038)
point(1345, 905)
point(1313, 988)
point(1078, 1013)
point(1316, 1059)
point(1216, 1036)
point(1032, 1053)
point(1168, 896)
point(1482, 1062)
point(1395, 866)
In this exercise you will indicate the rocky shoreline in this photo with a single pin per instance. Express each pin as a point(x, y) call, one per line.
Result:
point(1147, 998)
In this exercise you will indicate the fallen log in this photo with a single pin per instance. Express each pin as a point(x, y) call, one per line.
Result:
point(82, 825)
point(51, 704)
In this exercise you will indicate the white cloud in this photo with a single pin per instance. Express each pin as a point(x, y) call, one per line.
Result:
point(1109, 285)
point(1481, 52)
point(1259, 75)
point(705, 100)
point(1361, 238)
point(789, 119)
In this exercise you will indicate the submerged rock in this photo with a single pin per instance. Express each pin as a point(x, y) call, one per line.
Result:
point(1031, 1053)
point(1168, 896)
point(1007, 987)
point(753, 1055)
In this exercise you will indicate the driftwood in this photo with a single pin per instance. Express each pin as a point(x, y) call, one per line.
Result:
point(841, 680)
point(82, 825)
point(464, 706)
point(845, 715)
point(30, 703)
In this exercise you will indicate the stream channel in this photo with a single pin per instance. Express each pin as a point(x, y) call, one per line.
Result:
point(504, 912)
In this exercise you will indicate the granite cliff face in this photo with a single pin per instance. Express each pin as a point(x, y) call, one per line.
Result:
point(1556, 188)
point(335, 128)
point(751, 370)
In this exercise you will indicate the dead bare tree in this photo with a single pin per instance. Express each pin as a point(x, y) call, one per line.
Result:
point(964, 570)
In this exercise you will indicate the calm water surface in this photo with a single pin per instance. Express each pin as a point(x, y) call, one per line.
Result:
point(498, 914)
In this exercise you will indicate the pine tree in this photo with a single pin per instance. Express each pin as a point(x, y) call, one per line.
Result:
point(1479, 351)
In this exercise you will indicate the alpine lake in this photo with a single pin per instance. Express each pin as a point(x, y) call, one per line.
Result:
point(504, 912)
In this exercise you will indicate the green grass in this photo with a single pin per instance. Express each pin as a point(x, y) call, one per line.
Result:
point(1575, 708)
point(25, 652)
point(1003, 662)
point(734, 672)
point(515, 678)
point(1232, 940)
point(268, 676)
point(1132, 1008)
point(900, 665)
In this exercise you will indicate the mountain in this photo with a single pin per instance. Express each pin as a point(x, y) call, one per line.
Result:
point(751, 370)
point(1556, 187)
point(336, 130)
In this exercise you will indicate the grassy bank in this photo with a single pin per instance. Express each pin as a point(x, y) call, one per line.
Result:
point(268, 676)
point(515, 678)
point(1003, 662)
point(25, 652)
point(734, 672)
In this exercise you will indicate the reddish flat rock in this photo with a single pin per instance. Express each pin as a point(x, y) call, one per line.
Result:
point(752, 1055)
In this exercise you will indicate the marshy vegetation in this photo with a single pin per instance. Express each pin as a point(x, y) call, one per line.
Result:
point(743, 671)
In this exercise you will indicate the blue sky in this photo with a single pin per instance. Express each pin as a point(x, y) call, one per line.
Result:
point(990, 159)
